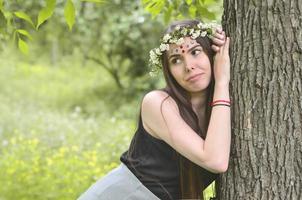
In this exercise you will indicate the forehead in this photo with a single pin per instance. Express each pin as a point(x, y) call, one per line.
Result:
point(178, 49)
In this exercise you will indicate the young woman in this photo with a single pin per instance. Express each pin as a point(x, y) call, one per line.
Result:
point(183, 138)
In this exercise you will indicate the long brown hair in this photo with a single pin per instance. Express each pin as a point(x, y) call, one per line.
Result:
point(193, 178)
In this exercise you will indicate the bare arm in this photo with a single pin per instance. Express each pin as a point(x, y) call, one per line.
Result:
point(218, 138)
point(217, 142)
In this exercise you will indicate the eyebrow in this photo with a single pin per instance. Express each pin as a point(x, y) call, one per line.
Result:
point(174, 55)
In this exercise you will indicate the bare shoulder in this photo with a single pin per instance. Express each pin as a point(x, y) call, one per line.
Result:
point(162, 119)
point(155, 100)
point(154, 104)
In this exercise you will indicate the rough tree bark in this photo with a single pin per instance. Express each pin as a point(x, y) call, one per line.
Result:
point(266, 88)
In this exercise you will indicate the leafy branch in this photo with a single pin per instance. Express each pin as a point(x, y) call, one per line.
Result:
point(177, 9)
point(8, 18)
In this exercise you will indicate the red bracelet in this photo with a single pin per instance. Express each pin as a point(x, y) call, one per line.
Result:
point(219, 104)
point(221, 101)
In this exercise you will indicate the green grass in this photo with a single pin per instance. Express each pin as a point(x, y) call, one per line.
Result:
point(58, 133)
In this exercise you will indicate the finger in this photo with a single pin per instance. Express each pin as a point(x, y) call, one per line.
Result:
point(225, 47)
point(219, 30)
point(219, 35)
point(215, 48)
point(218, 42)
point(227, 44)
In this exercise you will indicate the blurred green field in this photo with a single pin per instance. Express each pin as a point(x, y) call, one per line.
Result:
point(58, 132)
point(61, 128)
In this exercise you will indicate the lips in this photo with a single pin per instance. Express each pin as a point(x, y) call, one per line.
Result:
point(193, 77)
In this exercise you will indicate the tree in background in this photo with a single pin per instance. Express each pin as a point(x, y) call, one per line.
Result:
point(120, 42)
point(179, 9)
point(108, 34)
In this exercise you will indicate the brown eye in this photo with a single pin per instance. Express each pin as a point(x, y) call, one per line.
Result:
point(196, 52)
point(175, 60)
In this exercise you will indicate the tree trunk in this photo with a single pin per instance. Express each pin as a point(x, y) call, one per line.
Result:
point(266, 89)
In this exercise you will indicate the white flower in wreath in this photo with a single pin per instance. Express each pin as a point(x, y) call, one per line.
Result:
point(173, 40)
point(203, 34)
point(177, 28)
point(191, 31)
point(152, 55)
point(205, 26)
point(156, 61)
point(180, 41)
point(184, 31)
point(164, 47)
point(166, 38)
point(195, 35)
point(158, 52)
point(200, 25)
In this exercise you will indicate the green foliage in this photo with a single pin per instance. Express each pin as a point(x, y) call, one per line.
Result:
point(31, 170)
point(95, 1)
point(24, 16)
point(46, 12)
point(113, 39)
point(58, 135)
point(69, 13)
point(62, 126)
point(7, 15)
point(24, 32)
point(179, 9)
point(23, 46)
point(1, 4)
point(154, 6)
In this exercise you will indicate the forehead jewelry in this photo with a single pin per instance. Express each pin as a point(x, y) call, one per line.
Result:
point(177, 37)
point(183, 48)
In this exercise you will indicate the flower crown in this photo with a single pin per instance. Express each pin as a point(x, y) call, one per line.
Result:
point(177, 37)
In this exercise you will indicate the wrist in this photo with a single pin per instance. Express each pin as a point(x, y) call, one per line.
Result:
point(221, 91)
point(222, 85)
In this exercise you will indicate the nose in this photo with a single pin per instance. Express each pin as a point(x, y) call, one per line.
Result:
point(189, 64)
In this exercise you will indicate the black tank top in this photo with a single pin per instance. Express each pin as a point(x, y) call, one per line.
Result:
point(154, 163)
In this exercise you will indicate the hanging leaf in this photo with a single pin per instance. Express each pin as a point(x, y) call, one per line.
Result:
point(154, 6)
point(192, 11)
point(69, 12)
point(46, 12)
point(25, 33)
point(95, 1)
point(205, 13)
point(23, 46)
point(168, 13)
point(1, 4)
point(24, 16)
point(189, 2)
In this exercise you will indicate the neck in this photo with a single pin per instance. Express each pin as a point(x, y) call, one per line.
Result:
point(199, 101)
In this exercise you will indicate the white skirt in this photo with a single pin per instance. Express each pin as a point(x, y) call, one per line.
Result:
point(119, 184)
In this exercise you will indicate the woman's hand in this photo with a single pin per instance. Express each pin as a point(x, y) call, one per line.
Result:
point(218, 39)
point(222, 64)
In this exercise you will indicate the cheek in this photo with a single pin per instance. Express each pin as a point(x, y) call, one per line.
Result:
point(177, 75)
point(205, 63)
point(176, 70)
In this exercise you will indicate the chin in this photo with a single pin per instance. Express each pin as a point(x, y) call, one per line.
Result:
point(197, 88)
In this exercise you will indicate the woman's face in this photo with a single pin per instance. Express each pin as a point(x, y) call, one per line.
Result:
point(190, 65)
